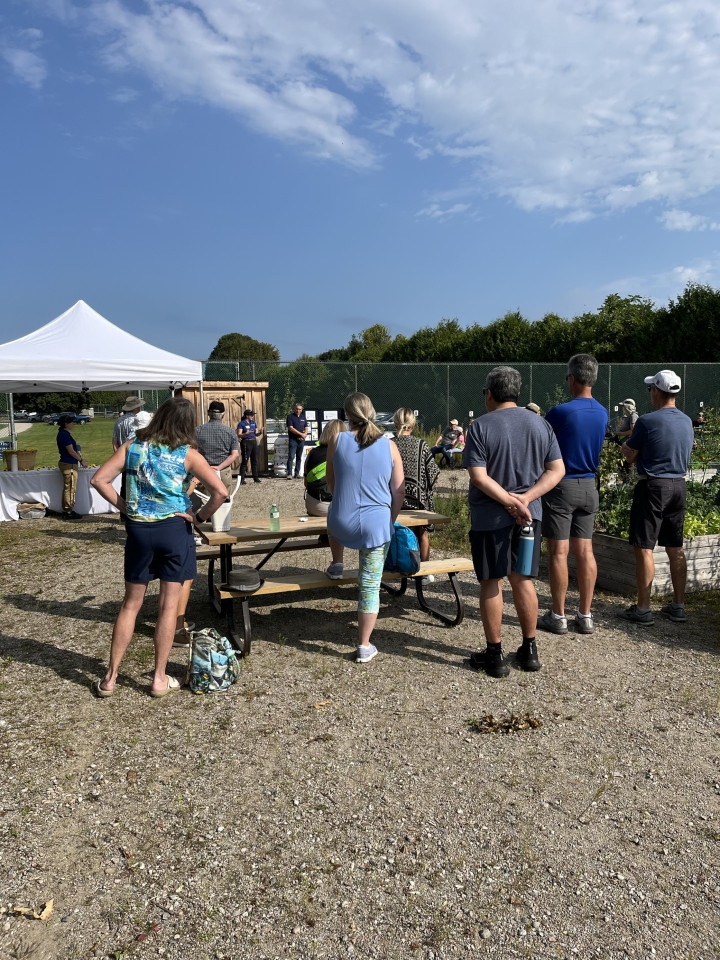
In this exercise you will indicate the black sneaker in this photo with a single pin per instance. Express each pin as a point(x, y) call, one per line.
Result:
point(491, 660)
point(257, 480)
point(243, 483)
point(676, 614)
point(76, 516)
point(631, 614)
point(526, 656)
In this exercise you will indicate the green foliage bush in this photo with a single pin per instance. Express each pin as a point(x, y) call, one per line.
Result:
point(702, 517)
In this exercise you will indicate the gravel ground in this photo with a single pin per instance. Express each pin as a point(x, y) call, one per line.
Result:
point(324, 809)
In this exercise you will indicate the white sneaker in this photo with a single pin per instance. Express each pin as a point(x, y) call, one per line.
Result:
point(335, 571)
point(584, 624)
point(428, 579)
point(365, 654)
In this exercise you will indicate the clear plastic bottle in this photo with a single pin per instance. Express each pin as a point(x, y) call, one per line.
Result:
point(274, 518)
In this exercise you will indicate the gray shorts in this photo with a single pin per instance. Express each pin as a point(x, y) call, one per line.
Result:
point(569, 510)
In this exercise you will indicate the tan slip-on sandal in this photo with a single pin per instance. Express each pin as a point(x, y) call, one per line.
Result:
point(99, 692)
point(172, 687)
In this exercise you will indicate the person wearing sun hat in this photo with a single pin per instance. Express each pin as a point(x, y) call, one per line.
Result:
point(125, 424)
point(660, 445)
point(629, 418)
point(451, 437)
point(124, 430)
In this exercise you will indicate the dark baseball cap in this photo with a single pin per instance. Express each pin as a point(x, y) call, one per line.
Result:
point(249, 413)
point(65, 419)
point(217, 407)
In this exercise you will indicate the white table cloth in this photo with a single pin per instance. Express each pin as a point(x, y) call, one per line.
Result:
point(46, 486)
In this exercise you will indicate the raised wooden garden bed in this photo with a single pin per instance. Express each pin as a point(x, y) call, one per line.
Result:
point(616, 565)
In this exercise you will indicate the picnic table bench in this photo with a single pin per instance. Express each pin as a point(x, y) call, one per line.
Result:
point(225, 547)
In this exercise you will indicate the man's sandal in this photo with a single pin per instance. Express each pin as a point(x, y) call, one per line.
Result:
point(172, 687)
point(99, 692)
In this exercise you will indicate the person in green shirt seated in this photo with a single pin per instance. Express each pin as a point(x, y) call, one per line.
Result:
point(317, 493)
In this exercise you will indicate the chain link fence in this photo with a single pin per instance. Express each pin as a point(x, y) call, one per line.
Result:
point(441, 391)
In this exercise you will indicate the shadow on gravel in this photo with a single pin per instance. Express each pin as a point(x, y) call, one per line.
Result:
point(699, 633)
point(79, 668)
point(283, 626)
point(104, 533)
point(76, 609)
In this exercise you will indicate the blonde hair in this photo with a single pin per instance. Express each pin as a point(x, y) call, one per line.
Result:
point(404, 418)
point(361, 416)
point(332, 429)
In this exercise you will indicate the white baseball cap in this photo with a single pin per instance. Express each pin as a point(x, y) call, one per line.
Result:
point(667, 381)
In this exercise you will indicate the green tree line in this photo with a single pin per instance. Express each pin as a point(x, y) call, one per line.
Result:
point(623, 330)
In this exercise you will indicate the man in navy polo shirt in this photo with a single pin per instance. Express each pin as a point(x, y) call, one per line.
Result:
point(249, 433)
point(569, 509)
point(297, 430)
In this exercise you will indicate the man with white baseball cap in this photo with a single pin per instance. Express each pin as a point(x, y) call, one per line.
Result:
point(660, 444)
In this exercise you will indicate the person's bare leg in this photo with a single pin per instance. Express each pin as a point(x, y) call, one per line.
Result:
point(645, 574)
point(491, 609)
point(337, 550)
point(424, 544)
point(165, 630)
point(526, 603)
point(678, 572)
point(182, 604)
point(366, 623)
point(123, 630)
point(586, 572)
point(557, 568)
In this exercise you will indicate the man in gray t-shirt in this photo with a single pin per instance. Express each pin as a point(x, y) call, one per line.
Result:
point(660, 445)
point(513, 458)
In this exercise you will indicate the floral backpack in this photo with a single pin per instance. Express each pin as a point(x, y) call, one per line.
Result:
point(213, 664)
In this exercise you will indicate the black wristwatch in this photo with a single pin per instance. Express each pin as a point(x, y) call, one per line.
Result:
point(197, 517)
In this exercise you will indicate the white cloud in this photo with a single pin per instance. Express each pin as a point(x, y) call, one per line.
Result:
point(670, 283)
point(435, 211)
point(27, 65)
point(579, 106)
point(124, 95)
point(684, 220)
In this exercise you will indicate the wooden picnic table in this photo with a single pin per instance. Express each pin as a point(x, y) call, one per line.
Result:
point(255, 530)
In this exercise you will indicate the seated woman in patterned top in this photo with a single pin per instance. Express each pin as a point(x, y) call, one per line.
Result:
point(421, 472)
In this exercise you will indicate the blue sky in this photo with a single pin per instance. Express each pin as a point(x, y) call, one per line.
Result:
point(297, 169)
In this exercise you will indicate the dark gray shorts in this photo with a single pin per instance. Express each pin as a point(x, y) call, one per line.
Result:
point(569, 510)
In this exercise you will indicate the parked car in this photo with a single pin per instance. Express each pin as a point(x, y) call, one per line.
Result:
point(80, 418)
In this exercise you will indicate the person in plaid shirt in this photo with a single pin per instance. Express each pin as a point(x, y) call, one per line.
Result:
point(218, 443)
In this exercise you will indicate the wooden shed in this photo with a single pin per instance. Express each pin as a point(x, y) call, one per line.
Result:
point(237, 397)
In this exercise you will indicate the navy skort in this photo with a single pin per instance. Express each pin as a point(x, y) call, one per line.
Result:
point(160, 550)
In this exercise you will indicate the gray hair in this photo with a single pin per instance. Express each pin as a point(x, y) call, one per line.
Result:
point(584, 368)
point(215, 415)
point(504, 384)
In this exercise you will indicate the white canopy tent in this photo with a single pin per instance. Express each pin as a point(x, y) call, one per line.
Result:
point(81, 351)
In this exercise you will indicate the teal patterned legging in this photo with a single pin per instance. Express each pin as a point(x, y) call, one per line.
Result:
point(372, 562)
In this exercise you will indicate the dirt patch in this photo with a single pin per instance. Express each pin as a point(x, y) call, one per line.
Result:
point(326, 809)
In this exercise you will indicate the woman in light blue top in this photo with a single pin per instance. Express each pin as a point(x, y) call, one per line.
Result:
point(365, 476)
point(159, 461)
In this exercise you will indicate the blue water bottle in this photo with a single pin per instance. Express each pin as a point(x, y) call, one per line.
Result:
point(525, 552)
